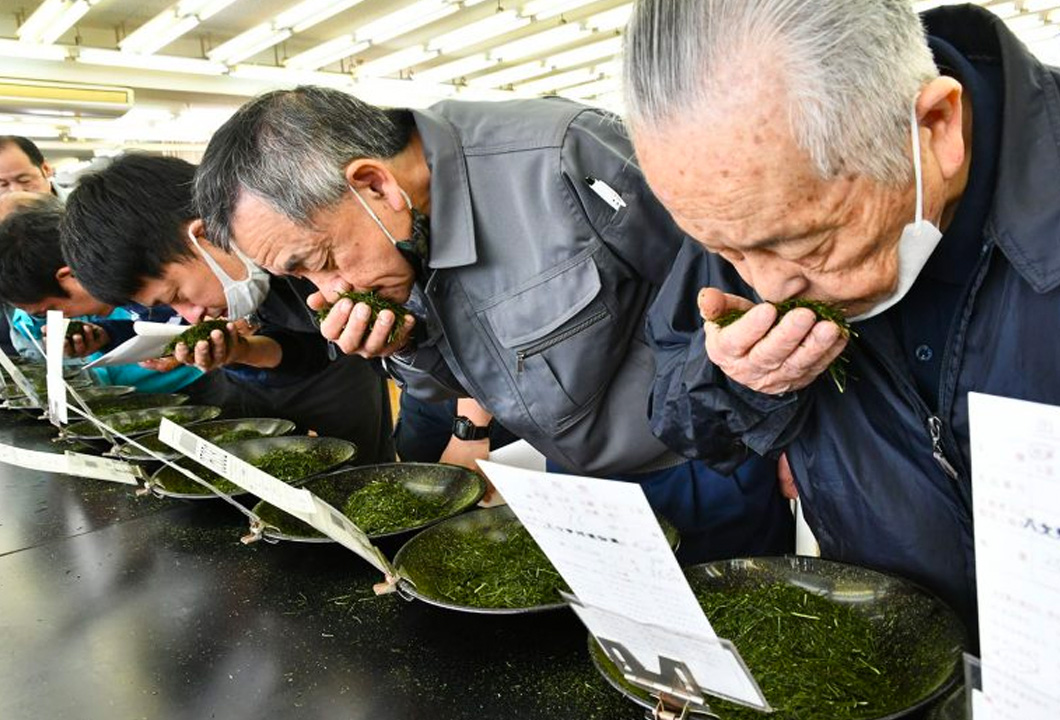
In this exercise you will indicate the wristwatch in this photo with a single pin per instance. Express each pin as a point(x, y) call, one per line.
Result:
point(464, 429)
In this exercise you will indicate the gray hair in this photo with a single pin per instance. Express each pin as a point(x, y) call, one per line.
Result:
point(290, 148)
point(851, 67)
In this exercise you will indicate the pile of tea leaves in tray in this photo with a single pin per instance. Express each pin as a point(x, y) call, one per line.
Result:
point(287, 464)
point(197, 332)
point(814, 658)
point(823, 311)
point(128, 403)
point(221, 438)
point(377, 304)
point(132, 427)
point(384, 506)
point(496, 568)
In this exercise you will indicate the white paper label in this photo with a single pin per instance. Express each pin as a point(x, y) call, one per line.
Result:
point(148, 343)
point(603, 538)
point(228, 466)
point(19, 378)
point(668, 659)
point(99, 468)
point(300, 503)
point(1016, 484)
point(54, 342)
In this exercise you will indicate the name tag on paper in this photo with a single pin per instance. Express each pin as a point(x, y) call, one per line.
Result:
point(298, 502)
point(605, 541)
point(71, 463)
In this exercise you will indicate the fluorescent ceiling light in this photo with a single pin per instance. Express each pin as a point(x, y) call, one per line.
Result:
point(593, 89)
point(31, 51)
point(538, 43)
point(308, 13)
point(326, 53)
point(45, 14)
point(164, 63)
point(67, 20)
point(478, 32)
point(405, 20)
point(585, 53)
point(395, 62)
point(456, 69)
point(248, 43)
point(612, 19)
point(558, 81)
point(542, 9)
point(505, 77)
point(202, 9)
point(158, 32)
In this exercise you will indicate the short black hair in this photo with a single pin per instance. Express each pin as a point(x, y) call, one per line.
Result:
point(30, 255)
point(125, 223)
point(25, 145)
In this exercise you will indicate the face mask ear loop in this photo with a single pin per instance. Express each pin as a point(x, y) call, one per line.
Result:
point(917, 170)
point(371, 214)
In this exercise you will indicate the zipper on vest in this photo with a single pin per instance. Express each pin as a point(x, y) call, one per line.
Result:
point(522, 355)
point(935, 428)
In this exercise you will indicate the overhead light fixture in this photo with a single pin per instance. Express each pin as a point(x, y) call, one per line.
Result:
point(170, 24)
point(308, 13)
point(613, 19)
point(53, 18)
point(163, 63)
point(585, 53)
point(508, 76)
point(603, 86)
point(543, 9)
point(45, 14)
point(457, 68)
point(158, 32)
point(325, 54)
point(395, 62)
point(479, 31)
point(403, 21)
point(247, 44)
point(558, 81)
point(31, 51)
point(538, 43)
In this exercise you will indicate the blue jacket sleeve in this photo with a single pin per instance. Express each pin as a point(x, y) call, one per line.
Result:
point(695, 408)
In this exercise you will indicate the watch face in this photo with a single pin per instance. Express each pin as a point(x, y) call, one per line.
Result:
point(464, 429)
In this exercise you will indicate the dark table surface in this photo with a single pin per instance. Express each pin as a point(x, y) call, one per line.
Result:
point(123, 607)
point(116, 606)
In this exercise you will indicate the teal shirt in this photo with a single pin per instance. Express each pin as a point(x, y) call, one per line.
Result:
point(143, 379)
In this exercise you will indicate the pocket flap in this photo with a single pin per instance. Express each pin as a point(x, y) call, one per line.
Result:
point(537, 310)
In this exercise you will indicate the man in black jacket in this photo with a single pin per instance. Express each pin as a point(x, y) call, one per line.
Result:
point(131, 235)
point(908, 178)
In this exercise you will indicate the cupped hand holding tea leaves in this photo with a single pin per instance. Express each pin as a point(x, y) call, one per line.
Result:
point(351, 325)
point(83, 339)
point(767, 350)
point(224, 347)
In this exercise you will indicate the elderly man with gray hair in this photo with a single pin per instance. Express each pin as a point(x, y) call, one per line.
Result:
point(909, 178)
point(524, 242)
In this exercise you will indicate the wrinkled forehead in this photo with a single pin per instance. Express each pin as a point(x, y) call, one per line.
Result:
point(733, 177)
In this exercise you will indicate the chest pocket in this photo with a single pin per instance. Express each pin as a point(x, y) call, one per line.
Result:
point(559, 341)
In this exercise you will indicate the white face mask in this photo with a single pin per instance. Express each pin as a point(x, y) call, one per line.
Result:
point(242, 296)
point(919, 240)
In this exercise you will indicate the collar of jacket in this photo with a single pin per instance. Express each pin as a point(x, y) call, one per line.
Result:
point(1026, 213)
point(452, 241)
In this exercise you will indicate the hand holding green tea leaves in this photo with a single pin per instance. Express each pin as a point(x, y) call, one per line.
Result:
point(207, 345)
point(770, 348)
point(362, 323)
point(83, 339)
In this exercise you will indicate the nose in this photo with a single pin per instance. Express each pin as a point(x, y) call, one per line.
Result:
point(325, 281)
point(191, 313)
point(773, 278)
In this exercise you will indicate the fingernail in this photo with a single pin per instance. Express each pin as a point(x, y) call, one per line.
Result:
point(363, 312)
point(826, 332)
point(804, 319)
point(386, 320)
point(344, 305)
